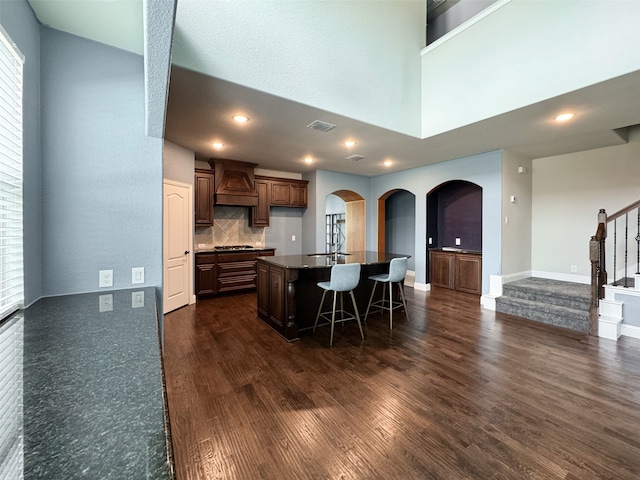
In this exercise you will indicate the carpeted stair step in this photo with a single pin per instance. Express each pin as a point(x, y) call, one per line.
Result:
point(565, 317)
point(554, 302)
point(555, 292)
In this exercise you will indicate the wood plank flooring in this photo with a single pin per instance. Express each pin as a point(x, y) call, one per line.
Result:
point(457, 392)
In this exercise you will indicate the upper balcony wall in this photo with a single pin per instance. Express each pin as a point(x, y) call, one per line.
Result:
point(356, 59)
point(524, 52)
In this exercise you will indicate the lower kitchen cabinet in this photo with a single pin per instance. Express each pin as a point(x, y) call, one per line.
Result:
point(460, 271)
point(227, 272)
point(206, 274)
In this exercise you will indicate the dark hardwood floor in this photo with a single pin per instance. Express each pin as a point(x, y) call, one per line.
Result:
point(456, 393)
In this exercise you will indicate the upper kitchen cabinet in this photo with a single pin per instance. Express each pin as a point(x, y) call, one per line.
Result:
point(276, 192)
point(289, 192)
point(259, 216)
point(234, 183)
point(204, 184)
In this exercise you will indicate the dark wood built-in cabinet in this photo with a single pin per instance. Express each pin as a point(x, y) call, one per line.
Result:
point(276, 298)
point(289, 193)
point(203, 203)
point(228, 271)
point(455, 270)
point(259, 216)
point(276, 192)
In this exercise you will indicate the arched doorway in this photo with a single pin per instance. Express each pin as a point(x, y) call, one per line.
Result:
point(345, 227)
point(454, 217)
point(396, 223)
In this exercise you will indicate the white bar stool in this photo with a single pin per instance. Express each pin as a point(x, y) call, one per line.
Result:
point(397, 272)
point(344, 278)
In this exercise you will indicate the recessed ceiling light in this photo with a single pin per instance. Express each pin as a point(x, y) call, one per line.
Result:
point(349, 143)
point(241, 118)
point(388, 163)
point(563, 117)
point(218, 145)
point(308, 160)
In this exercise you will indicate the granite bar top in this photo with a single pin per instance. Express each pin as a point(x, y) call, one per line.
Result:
point(94, 398)
point(325, 260)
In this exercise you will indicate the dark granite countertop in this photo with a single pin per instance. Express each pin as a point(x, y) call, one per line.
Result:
point(456, 250)
point(322, 260)
point(94, 399)
point(213, 249)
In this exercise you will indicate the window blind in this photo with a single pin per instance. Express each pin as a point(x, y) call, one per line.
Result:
point(11, 398)
point(11, 261)
point(11, 243)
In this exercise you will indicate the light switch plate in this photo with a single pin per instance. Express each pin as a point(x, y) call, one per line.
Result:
point(457, 241)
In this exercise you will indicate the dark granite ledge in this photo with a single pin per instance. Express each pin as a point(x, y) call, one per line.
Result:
point(94, 399)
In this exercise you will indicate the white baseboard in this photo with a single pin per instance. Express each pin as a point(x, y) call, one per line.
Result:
point(564, 277)
point(630, 331)
point(410, 279)
point(488, 301)
point(512, 277)
point(425, 287)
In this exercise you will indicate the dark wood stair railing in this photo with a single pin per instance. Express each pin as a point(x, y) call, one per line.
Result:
point(597, 257)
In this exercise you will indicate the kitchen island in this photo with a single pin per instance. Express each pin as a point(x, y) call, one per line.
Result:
point(288, 295)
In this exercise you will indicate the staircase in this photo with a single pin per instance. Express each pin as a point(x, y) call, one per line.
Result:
point(554, 302)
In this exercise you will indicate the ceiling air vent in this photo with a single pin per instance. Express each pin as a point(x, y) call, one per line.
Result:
point(322, 126)
point(355, 157)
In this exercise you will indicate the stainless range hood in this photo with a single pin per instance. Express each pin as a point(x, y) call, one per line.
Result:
point(234, 183)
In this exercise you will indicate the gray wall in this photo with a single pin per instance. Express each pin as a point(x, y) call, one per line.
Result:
point(102, 177)
point(283, 223)
point(484, 170)
point(18, 21)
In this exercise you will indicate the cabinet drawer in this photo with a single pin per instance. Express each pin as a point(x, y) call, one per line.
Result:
point(204, 258)
point(233, 269)
point(236, 257)
point(227, 284)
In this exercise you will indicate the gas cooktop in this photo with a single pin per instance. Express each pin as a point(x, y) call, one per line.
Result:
point(233, 247)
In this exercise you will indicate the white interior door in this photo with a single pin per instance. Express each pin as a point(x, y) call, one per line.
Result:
point(177, 228)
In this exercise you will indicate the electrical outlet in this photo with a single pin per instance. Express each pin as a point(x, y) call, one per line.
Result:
point(457, 241)
point(430, 241)
point(137, 299)
point(106, 303)
point(137, 275)
point(105, 278)
point(574, 268)
point(293, 238)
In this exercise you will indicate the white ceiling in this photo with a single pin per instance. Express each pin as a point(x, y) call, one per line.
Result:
point(199, 108)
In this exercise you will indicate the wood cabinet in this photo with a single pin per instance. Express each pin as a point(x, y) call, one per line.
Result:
point(289, 192)
point(236, 271)
point(274, 191)
point(206, 274)
point(203, 192)
point(227, 271)
point(460, 271)
point(442, 269)
point(259, 215)
point(468, 273)
point(276, 298)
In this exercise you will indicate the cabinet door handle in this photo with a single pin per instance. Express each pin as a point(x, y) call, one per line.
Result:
point(186, 252)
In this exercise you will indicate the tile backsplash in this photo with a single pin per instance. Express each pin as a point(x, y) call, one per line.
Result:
point(230, 227)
